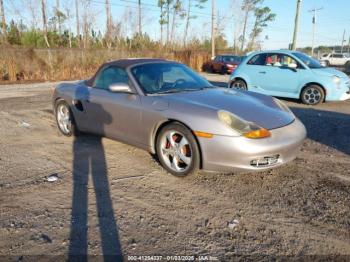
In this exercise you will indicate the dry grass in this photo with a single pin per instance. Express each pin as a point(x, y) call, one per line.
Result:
point(69, 64)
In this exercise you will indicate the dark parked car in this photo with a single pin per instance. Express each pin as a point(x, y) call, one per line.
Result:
point(347, 68)
point(223, 64)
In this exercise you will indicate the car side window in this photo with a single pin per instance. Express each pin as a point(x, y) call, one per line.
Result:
point(274, 60)
point(337, 56)
point(281, 60)
point(257, 60)
point(109, 76)
point(289, 62)
point(218, 59)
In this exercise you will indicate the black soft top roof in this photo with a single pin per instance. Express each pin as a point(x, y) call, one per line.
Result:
point(124, 63)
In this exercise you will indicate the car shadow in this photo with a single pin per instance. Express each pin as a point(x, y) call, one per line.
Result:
point(326, 127)
point(89, 160)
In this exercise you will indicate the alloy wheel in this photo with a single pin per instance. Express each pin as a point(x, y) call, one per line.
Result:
point(312, 96)
point(176, 151)
point(239, 85)
point(63, 118)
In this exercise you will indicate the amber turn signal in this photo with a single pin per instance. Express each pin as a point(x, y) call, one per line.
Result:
point(260, 133)
point(203, 134)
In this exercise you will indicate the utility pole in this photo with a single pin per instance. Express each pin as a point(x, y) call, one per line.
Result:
point(213, 34)
point(140, 28)
point(342, 42)
point(77, 21)
point(43, 11)
point(168, 2)
point(3, 20)
point(296, 25)
point(58, 14)
point(314, 27)
point(108, 24)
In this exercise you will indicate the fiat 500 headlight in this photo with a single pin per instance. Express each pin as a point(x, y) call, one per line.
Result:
point(245, 128)
point(336, 80)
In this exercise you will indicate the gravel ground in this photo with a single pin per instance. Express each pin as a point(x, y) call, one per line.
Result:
point(125, 203)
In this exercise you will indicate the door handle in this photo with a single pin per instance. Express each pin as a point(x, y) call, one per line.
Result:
point(262, 72)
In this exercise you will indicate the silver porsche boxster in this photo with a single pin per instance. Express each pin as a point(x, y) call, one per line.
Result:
point(171, 111)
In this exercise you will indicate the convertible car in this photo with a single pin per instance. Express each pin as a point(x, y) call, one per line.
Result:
point(171, 111)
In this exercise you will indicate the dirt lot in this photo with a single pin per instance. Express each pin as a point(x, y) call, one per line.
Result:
point(129, 205)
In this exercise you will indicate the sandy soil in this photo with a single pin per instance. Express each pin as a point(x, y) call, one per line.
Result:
point(125, 203)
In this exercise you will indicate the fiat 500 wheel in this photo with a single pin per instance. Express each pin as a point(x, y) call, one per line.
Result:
point(239, 84)
point(312, 95)
point(177, 150)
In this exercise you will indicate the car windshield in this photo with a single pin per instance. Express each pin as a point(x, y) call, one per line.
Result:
point(309, 61)
point(158, 78)
point(232, 59)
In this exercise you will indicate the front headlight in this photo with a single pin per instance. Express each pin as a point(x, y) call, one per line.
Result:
point(247, 129)
point(336, 80)
point(283, 106)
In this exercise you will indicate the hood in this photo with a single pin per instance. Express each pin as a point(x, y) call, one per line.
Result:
point(249, 106)
point(328, 71)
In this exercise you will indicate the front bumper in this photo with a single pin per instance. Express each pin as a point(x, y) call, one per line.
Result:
point(228, 154)
point(340, 93)
point(345, 96)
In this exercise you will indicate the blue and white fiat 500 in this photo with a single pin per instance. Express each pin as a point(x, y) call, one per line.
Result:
point(286, 73)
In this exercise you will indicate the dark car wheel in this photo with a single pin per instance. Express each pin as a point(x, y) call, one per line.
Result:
point(312, 95)
point(223, 70)
point(177, 150)
point(64, 119)
point(239, 84)
point(327, 63)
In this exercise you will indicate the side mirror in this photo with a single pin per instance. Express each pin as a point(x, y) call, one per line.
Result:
point(120, 88)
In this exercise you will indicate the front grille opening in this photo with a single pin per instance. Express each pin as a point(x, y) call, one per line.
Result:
point(265, 161)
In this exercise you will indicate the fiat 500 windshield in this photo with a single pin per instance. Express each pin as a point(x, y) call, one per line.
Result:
point(159, 78)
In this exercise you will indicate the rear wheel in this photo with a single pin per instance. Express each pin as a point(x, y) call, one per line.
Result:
point(177, 150)
point(239, 84)
point(223, 70)
point(212, 70)
point(312, 95)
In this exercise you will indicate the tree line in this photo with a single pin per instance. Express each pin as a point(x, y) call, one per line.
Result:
point(71, 24)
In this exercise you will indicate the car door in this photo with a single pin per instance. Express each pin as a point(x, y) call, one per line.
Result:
point(282, 75)
point(336, 59)
point(113, 114)
point(217, 63)
point(256, 72)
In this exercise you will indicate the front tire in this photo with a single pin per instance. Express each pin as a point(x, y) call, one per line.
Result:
point(239, 84)
point(64, 119)
point(177, 150)
point(312, 95)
